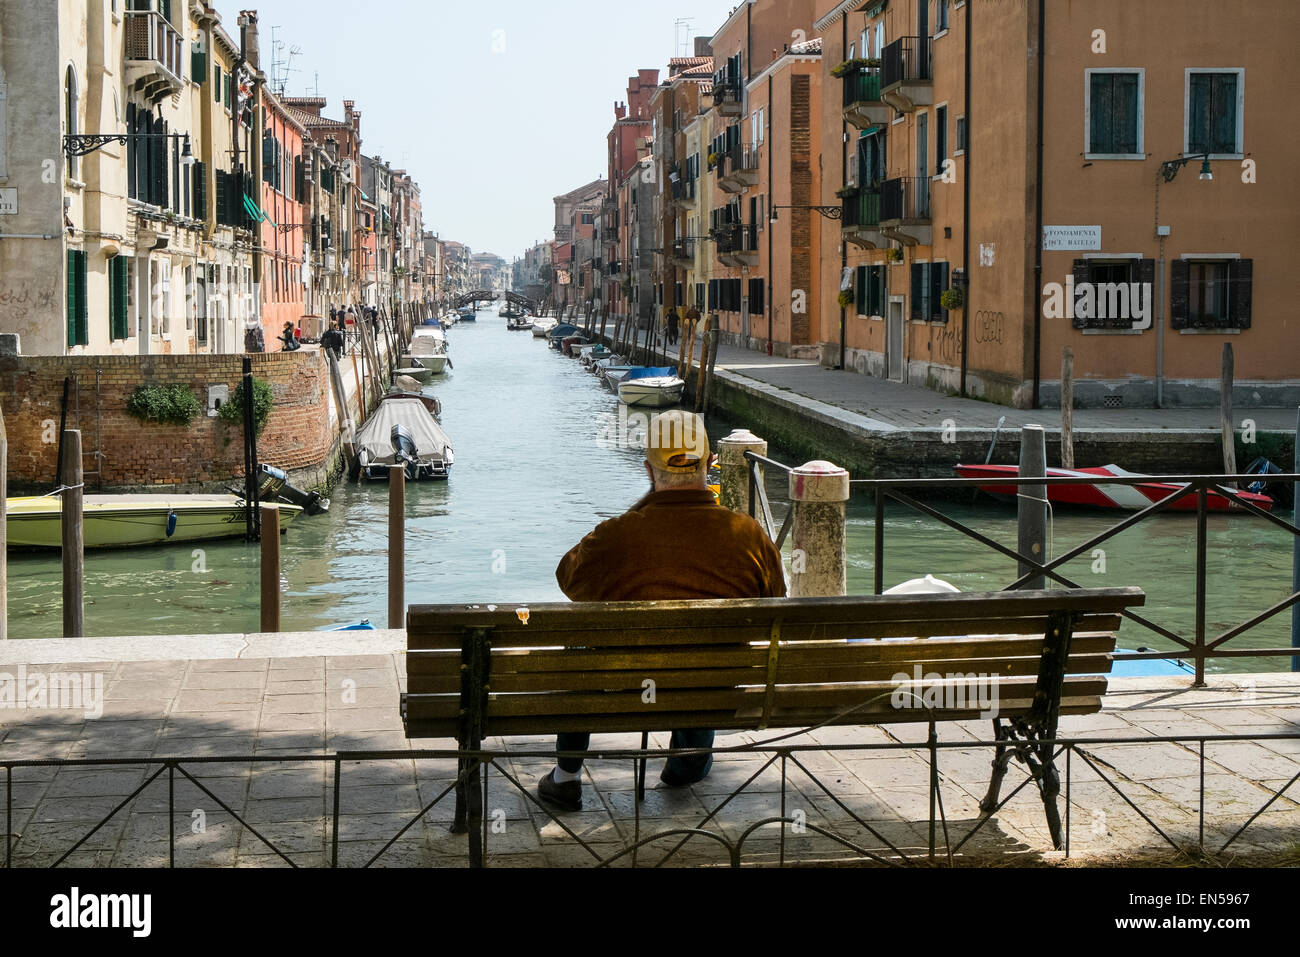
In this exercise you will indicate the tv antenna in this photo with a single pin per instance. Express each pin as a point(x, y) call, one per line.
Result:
point(682, 36)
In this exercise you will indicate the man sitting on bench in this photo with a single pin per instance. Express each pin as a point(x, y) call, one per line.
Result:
point(676, 543)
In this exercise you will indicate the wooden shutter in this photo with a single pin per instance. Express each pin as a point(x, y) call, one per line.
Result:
point(1081, 274)
point(1199, 105)
point(199, 66)
point(918, 291)
point(1179, 287)
point(1240, 276)
point(200, 173)
point(938, 283)
point(216, 82)
point(117, 291)
point(72, 297)
point(159, 164)
point(861, 303)
point(1223, 128)
point(1125, 119)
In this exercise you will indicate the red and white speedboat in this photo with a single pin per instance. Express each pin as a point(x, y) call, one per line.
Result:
point(1129, 498)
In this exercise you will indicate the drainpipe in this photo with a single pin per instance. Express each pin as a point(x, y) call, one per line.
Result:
point(1038, 212)
point(965, 229)
point(844, 173)
point(771, 240)
point(29, 235)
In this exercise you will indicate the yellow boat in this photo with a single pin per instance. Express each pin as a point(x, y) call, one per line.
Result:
point(131, 521)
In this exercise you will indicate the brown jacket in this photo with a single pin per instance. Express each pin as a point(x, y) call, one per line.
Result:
point(678, 544)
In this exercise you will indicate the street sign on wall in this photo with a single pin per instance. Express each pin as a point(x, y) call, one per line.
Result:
point(1071, 237)
point(9, 201)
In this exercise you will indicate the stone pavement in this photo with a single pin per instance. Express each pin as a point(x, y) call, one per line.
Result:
point(279, 697)
point(894, 405)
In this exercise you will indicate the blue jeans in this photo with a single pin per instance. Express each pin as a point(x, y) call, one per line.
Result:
point(685, 767)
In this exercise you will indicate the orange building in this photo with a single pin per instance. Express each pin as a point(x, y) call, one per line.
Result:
point(284, 192)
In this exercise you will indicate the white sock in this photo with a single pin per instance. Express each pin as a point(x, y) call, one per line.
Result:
point(562, 776)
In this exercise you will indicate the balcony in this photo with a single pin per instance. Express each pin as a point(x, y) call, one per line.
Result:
point(861, 223)
point(863, 106)
point(907, 77)
point(737, 244)
point(682, 253)
point(727, 99)
point(153, 55)
point(905, 210)
point(738, 168)
point(683, 192)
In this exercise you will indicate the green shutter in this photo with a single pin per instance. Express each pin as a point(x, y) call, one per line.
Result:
point(216, 82)
point(199, 66)
point(117, 297)
point(77, 329)
point(72, 297)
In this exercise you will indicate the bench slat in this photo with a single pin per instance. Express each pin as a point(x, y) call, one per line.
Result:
point(937, 650)
point(423, 619)
point(699, 677)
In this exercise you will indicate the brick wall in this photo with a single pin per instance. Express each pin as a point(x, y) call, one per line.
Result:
point(137, 455)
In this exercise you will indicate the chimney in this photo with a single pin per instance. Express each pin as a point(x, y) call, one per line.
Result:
point(704, 46)
point(620, 111)
point(248, 41)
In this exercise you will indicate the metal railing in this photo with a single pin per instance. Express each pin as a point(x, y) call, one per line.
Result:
point(943, 839)
point(907, 59)
point(905, 198)
point(862, 86)
point(737, 238)
point(739, 159)
point(726, 94)
point(150, 37)
point(1201, 646)
point(683, 249)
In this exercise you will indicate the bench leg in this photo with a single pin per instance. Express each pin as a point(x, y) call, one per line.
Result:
point(458, 825)
point(474, 806)
point(1049, 785)
point(640, 767)
point(1001, 759)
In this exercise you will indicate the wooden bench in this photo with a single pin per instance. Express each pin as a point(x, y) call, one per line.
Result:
point(483, 670)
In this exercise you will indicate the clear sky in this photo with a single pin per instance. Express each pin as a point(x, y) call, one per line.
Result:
point(494, 106)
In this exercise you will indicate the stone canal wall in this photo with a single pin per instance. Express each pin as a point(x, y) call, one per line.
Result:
point(206, 455)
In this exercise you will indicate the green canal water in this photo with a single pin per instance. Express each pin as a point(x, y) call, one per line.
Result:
point(535, 470)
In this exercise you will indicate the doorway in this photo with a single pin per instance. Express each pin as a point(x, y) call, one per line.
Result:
point(894, 341)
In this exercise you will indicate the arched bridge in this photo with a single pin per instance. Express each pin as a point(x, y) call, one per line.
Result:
point(522, 301)
point(478, 295)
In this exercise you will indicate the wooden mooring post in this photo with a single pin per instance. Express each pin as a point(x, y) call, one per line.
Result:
point(1067, 409)
point(1032, 502)
point(1225, 415)
point(397, 546)
point(74, 544)
point(270, 569)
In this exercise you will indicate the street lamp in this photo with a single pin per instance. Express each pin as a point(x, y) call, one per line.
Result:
point(830, 212)
point(83, 144)
point(1169, 170)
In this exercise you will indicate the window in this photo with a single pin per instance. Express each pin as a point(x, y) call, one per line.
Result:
point(78, 331)
point(929, 280)
point(1211, 294)
point(940, 139)
point(588, 219)
point(872, 290)
point(1214, 112)
point(757, 304)
point(865, 40)
point(70, 115)
point(216, 82)
point(880, 38)
point(961, 134)
point(943, 15)
point(189, 297)
point(1112, 293)
point(1113, 113)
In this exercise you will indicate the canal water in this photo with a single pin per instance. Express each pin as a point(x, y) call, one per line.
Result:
point(538, 464)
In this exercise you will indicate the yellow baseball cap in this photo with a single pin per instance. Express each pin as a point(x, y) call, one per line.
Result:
point(677, 442)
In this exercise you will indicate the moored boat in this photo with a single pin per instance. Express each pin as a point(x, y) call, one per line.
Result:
point(651, 387)
point(1094, 494)
point(129, 521)
point(404, 430)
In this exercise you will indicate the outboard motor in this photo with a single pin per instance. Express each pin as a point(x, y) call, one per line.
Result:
point(274, 484)
point(1281, 492)
point(404, 451)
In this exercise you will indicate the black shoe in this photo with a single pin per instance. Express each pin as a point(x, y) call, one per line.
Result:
point(675, 779)
point(566, 796)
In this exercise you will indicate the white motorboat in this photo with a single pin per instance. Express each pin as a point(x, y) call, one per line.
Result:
point(650, 387)
point(404, 430)
point(540, 329)
point(429, 349)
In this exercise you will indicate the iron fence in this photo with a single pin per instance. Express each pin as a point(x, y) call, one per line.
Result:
point(1200, 647)
point(944, 840)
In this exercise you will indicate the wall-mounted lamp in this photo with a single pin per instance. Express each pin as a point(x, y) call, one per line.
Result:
point(1169, 170)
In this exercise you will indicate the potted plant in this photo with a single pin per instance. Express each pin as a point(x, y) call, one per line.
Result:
point(849, 191)
point(953, 298)
point(854, 65)
point(894, 255)
point(713, 159)
point(846, 298)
